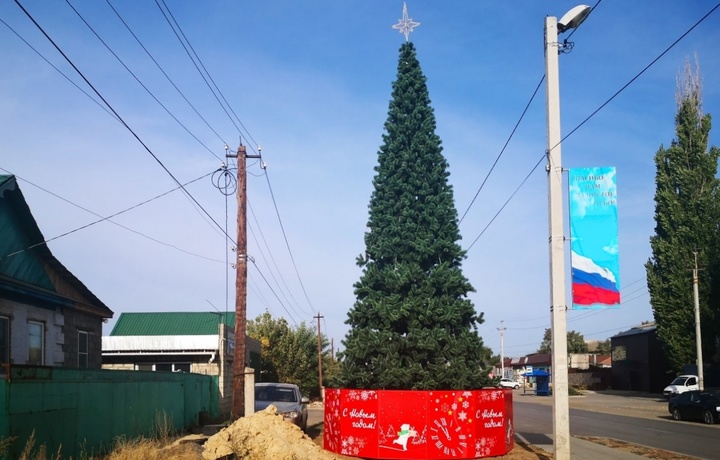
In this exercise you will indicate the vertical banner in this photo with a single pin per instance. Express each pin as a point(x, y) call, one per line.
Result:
point(594, 238)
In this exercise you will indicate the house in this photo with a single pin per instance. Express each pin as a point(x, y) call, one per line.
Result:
point(638, 361)
point(48, 317)
point(198, 342)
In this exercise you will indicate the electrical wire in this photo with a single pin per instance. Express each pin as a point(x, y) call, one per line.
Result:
point(277, 268)
point(147, 149)
point(247, 133)
point(506, 202)
point(107, 218)
point(512, 133)
point(601, 107)
point(59, 71)
point(231, 183)
point(157, 64)
point(638, 74)
point(273, 291)
point(287, 244)
point(195, 58)
point(137, 79)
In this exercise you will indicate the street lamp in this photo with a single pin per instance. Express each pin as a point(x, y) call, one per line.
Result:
point(558, 300)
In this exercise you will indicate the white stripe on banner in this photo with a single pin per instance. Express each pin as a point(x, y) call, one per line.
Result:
point(594, 237)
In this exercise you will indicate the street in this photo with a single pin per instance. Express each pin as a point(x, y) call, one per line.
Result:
point(645, 422)
point(637, 419)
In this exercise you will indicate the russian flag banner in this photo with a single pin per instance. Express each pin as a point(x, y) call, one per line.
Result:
point(594, 238)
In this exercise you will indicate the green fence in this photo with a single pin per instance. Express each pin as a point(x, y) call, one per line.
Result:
point(85, 410)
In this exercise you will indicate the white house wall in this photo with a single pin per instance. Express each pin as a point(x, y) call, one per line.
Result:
point(53, 339)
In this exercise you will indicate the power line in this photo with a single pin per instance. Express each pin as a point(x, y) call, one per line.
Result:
point(639, 73)
point(193, 57)
point(273, 291)
point(59, 71)
point(506, 202)
point(118, 116)
point(287, 244)
point(166, 75)
point(107, 218)
point(503, 149)
point(137, 79)
point(262, 235)
point(603, 106)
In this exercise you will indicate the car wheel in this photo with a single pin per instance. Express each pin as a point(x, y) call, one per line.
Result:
point(516, 386)
point(676, 415)
point(708, 417)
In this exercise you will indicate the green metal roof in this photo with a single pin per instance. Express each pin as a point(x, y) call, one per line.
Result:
point(25, 257)
point(18, 232)
point(172, 323)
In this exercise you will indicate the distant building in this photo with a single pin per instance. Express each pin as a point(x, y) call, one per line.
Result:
point(199, 342)
point(48, 317)
point(638, 361)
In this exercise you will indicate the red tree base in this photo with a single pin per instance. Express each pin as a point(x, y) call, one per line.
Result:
point(398, 424)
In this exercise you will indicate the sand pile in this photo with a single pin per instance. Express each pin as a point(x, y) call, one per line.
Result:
point(264, 436)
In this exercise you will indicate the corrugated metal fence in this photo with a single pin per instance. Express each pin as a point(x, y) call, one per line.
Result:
point(85, 410)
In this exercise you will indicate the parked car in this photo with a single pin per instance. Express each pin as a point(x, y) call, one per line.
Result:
point(508, 383)
point(694, 405)
point(681, 384)
point(286, 398)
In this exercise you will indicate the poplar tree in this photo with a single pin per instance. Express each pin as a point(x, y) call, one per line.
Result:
point(686, 222)
point(412, 325)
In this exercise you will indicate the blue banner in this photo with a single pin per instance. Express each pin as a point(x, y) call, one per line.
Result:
point(594, 238)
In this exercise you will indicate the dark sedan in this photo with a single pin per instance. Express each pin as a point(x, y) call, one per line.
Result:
point(694, 405)
point(286, 398)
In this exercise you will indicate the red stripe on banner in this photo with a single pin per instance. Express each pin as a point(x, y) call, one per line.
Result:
point(585, 294)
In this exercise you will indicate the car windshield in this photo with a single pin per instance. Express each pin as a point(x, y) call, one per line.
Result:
point(679, 381)
point(275, 394)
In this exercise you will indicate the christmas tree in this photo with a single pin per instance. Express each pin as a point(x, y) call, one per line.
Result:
point(412, 325)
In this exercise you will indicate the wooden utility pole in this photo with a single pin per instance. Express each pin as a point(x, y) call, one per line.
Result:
point(320, 384)
point(238, 392)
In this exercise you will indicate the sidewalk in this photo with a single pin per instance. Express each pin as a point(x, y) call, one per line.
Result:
point(580, 449)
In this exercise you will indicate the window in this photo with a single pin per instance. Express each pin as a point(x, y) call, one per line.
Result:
point(163, 367)
point(36, 343)
point(82, 349)
point(181, 367)
point(4, 339)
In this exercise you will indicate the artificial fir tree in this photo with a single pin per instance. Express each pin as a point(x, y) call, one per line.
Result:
point(687, 215)
point(412, 325)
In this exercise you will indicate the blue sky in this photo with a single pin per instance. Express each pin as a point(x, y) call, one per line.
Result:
point(310, 82)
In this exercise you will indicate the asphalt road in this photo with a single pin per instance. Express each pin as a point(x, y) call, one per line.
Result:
point(639, 419)
point(315, 415)
point(650, 426)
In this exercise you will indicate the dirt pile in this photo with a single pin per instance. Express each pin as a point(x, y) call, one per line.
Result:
point(264, 436)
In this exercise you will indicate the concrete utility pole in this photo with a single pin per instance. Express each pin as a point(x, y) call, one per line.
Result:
point(238, 392)
point(320, 383)
point(558, 304)
point(698, 337)
point(502, 330)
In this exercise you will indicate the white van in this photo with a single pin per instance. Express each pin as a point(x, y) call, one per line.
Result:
point(681, 384)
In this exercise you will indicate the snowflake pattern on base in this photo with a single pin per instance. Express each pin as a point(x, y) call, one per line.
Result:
point(402, 424)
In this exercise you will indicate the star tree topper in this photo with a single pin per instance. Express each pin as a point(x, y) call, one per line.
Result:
point(406, 24)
